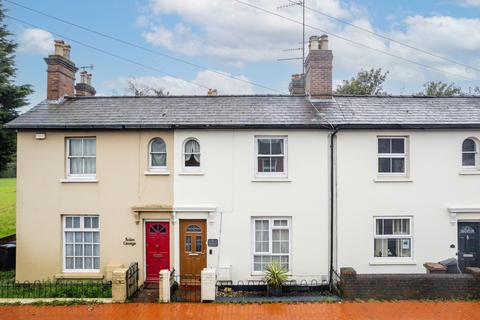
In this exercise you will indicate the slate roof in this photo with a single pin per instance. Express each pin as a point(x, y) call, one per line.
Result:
point(254, 111)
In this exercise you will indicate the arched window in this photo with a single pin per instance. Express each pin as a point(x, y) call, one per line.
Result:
point(191, 154)
point(469, 153)
point(158, 155)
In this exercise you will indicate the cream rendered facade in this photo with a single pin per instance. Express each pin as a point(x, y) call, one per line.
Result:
point(45, 195)
point(436, 193)
point(227, 194)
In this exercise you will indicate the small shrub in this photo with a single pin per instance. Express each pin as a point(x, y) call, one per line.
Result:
point(275, 275)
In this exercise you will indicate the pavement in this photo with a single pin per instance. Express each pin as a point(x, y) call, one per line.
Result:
point(451, 310)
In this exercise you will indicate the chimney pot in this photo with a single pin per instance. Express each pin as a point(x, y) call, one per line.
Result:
point(297, 85)
point(66, 51)
point(324, 42)
point(212, 92)
point(59, 44)
point(84, 87)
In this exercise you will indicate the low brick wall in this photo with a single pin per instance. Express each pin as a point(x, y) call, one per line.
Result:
point(408, 286)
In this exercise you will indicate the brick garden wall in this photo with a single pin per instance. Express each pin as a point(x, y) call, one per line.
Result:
point(408, 286)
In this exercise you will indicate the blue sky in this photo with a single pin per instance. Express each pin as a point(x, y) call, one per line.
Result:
point(229, 37)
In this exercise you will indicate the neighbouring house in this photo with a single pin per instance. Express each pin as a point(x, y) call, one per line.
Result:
point(310, 180)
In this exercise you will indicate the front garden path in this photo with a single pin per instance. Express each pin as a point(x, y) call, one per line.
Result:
point(326, 311)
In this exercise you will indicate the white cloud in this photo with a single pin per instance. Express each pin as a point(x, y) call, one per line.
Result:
point(238, 34)
point(470, 3)
point(232, 31)
point(175, 86)
point(35, 41)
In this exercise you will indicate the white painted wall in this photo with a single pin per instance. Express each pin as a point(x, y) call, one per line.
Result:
point(227, 182)
point(436, 184)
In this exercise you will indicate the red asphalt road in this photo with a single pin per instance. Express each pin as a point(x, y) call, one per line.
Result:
point(326, 311)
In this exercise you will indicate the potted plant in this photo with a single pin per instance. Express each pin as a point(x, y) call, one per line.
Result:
point(275, 276)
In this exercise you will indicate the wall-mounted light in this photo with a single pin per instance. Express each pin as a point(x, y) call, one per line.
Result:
point(40, 136)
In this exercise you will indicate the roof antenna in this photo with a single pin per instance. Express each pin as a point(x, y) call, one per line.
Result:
point(291, 4)
point(84, 68)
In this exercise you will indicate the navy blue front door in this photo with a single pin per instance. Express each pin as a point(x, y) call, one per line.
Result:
point(468, 244)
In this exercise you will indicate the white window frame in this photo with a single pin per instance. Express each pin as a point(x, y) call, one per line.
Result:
point(283, 174)
point(391, 236)
point(477, 157)
point(68, 157)
point(81, 229)
point(191, 169)
point(403, 155)
point(270, 241)
point(151, 167)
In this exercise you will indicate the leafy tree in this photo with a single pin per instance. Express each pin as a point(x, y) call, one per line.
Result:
point(366, 83)
point(137, 89)
point(12, 96)
point(440, 89)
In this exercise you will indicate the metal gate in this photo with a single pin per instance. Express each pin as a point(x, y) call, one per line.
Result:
point(131, 279)
point(185, 288)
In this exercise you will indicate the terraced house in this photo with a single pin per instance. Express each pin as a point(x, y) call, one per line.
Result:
point(310, 180)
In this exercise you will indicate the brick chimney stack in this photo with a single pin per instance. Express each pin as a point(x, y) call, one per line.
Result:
point(297, 85)
point(84, 87)
point(61, 72)
point(318, 69)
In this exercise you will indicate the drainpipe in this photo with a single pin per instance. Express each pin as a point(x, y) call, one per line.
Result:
point(332, 200)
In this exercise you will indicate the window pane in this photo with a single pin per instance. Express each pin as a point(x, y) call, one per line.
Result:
point(469, 145)
point(89, 147)
point(263, 146)
point(68, 222)
point(96, 237)
point(88, 263)
point(87, 222)
point(88, 250)
point(188, 243)
point(393, 247)
point(398, 145)
point(398, 165)
point(95, 222)
point(69, 263)
point(96, 263)
point(383, 145)
point(78, 237)
point(468, 159)
point(69, 250)
point(159, 160)
point(75, 147)
point(78, 263)
point(277, 146)
point(90, 166)
point(384, 165)
point(280, 223)
point(76, 166)
point(192, 160)
point(387, 226)
point(158, 145)
point(96, 250)
point(78, 250)
point(88, 237)
point(192, 146)
point(198, 244)
point(76, 222)
point(69, 237)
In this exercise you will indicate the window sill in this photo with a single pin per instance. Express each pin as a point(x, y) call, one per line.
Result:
point(392, 262)
point(78, 180)
point(472, 172)
point(193, 173)
point(391, 179)
point(77, 275)
point(272, 179)
point(156, 173)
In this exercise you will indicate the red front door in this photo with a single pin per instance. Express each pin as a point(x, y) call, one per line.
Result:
point(157, 249)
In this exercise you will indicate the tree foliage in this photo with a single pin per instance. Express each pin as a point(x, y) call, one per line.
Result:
point(140, 90)
point(440, 89)
point(366, 83)
point(12, 96)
